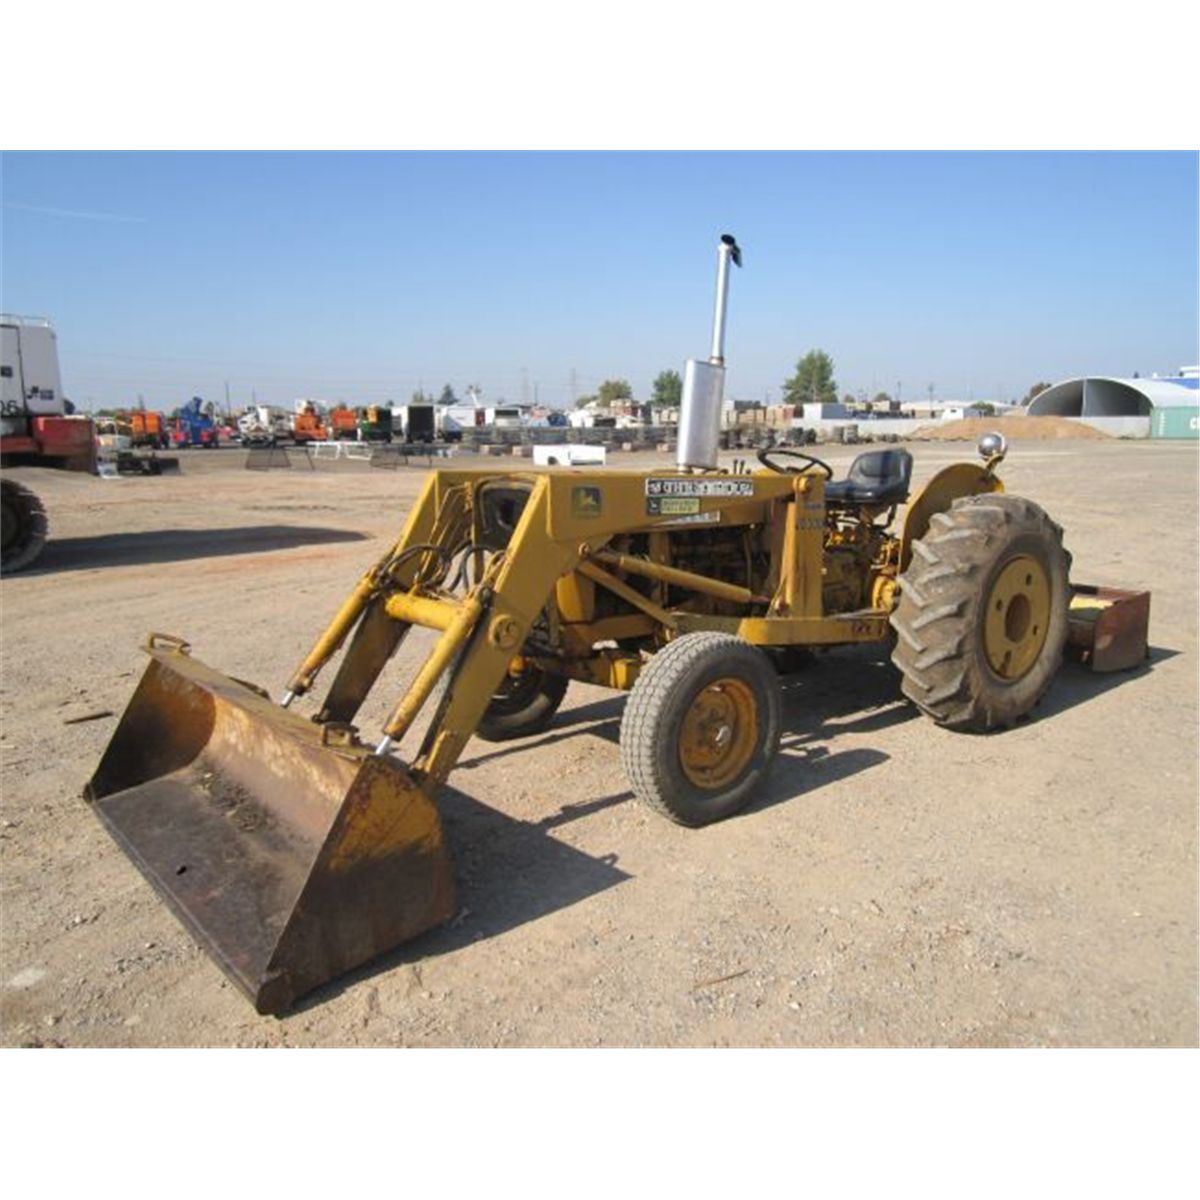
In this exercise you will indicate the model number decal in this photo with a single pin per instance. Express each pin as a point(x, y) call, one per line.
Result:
point(704, 518)
point(672, 506)
point(699, 487)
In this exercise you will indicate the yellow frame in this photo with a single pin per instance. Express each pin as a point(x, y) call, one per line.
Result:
point(557, 558)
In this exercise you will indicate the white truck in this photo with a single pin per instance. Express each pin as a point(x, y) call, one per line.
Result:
point(265, 425)
point(415, 423)
point(37, 430)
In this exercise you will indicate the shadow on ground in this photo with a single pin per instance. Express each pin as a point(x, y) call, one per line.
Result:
point(175, 545)
point(1076, 684)
point(508, 872)
point(511, 871)
point(853, 691)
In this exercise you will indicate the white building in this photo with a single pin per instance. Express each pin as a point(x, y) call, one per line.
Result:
point(1160, 406)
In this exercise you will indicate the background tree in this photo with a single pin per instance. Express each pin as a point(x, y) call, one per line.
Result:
point(613, 391)
point(882, 400)
point(447, 396)
point(1036, 390)
point(668, 388)
point(813, 382)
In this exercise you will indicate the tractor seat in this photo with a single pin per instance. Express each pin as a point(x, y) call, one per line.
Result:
point(877, 477)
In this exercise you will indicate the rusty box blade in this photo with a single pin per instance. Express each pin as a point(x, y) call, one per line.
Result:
point(290, 860)
point(1108, 628)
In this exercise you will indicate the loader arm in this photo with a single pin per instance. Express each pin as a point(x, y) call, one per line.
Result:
point(480, 631)
point(528, 572)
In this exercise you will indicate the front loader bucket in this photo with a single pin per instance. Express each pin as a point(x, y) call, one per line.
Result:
point(290, 852)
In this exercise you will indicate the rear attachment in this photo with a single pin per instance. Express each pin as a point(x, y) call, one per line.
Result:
point(290, 851)
point(1108, 628)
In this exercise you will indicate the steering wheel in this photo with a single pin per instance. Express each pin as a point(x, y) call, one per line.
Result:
point(765, 456)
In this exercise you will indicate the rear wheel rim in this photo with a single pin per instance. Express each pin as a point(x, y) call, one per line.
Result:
point(719, 733)
point(1017, 618)
point(518, 688)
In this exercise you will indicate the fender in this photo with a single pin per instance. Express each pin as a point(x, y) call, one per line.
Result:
point(948, 485)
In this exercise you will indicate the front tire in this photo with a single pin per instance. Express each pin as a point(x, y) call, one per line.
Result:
point(701, 728)
point(982, 617)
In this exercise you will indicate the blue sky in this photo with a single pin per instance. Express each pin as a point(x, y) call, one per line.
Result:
point(365, 276)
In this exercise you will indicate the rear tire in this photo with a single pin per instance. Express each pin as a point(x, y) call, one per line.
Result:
point(24, 524)
point(982, 617)
point(525, 704)
point(701, 728)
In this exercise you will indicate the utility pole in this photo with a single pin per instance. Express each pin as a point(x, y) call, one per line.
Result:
point(574, 387)
point(228, 410)
point(525, 386)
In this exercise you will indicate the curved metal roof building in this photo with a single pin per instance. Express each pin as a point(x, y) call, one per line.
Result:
point(1101, 396)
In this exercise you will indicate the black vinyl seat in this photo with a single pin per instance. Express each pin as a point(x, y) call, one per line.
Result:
point(876, 477)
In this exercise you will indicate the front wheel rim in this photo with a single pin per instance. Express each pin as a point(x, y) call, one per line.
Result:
point(719, 733)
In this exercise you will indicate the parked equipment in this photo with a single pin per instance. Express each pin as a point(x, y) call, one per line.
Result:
point(37, 430)
point(375, 423)
point(416, 423)
point(308, 424)
point(264, 425)
point(295, 851)
point(117, 451)
point(149, 429)
point(344, 424)
point(194, 426)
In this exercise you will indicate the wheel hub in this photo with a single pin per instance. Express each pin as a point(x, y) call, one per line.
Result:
point(1017, 618)
point(719, 732)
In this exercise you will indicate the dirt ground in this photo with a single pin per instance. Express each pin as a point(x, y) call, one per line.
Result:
point(896, 885)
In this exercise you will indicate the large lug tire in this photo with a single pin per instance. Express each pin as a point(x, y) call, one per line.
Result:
point(525, 704)
point(24, 526)
point(701, 728)
point(982, 617)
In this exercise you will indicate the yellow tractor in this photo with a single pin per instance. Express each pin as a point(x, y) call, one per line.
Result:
point(295, 850)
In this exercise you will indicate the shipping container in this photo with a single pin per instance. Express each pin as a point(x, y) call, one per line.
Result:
point(1181, 421)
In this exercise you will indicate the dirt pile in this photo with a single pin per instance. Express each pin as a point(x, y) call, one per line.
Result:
point(1038, 429)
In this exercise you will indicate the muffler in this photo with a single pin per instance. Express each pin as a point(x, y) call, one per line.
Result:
point(289, 850)
point(704, 382)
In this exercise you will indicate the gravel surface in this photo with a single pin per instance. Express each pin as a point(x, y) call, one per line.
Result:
point(895, 885)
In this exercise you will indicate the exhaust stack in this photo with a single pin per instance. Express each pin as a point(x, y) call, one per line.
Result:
point(704, 382)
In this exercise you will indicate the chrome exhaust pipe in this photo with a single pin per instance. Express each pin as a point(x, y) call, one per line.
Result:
point(704, 382)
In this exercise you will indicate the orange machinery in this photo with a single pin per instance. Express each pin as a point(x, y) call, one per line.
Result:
point(149, 429)
point(344, 423)
point(307, 425)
